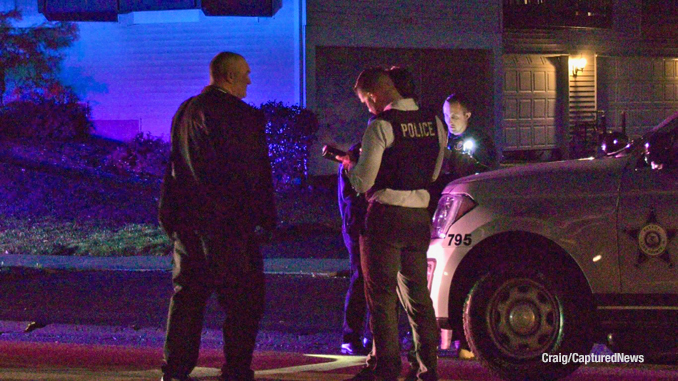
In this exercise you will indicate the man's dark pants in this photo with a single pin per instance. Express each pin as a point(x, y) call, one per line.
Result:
point(232, 267)
point(356, 313)
point(393, 255)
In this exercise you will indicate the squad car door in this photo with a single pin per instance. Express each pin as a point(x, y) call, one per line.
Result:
point(648, 219)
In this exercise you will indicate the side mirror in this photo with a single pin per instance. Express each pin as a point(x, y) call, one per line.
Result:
point(613, 141)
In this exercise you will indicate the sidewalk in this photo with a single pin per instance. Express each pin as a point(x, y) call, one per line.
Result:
point(146, 263)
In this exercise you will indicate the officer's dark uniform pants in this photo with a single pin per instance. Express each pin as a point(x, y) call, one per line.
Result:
point(356, 313)
point(393, 255)
point(232, 267)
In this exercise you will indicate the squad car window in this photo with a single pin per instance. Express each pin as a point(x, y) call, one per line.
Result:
point(660, 148)
point(673, 163)
point(657, 148)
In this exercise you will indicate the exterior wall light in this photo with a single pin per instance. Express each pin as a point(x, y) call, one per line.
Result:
point(577, 65)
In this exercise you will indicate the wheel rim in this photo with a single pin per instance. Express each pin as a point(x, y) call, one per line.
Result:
point(523, 318)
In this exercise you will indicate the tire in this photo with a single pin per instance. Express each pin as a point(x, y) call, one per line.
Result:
point(515, 318)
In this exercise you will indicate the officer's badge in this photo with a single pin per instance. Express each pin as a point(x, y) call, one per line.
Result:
point(653, 239)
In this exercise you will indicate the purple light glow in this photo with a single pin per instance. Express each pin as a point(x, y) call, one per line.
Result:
point(136, 72)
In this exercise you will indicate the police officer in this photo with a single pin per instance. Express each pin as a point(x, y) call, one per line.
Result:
point(402, 153)
point(470, 150)
point(352, 207)
point(217, 192)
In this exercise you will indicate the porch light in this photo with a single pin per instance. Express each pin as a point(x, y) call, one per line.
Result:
point(577, 65)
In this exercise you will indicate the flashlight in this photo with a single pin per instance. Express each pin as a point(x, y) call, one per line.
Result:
point(331, 153)
point(468, 146)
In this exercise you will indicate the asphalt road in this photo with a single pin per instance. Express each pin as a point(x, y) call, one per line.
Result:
point(298, 304)
point(86, 313)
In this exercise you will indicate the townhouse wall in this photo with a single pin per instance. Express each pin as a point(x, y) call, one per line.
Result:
point(135, 72)
point(449, 46)
point(631, 76)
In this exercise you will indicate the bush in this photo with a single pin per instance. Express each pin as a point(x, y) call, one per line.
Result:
point(55, 118)
point(290, 131)
point(145, 155)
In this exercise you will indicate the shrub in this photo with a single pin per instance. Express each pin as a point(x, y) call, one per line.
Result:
point(145, 155)
point(290, 131)
point(54, 112)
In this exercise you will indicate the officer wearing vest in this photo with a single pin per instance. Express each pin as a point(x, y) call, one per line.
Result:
point(402, 153)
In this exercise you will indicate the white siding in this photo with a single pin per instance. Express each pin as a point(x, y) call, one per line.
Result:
point(136, 72)
point(404, 24)
point(583, 107)
point(406, 15)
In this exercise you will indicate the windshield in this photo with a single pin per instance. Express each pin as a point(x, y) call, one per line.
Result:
point(638, 145)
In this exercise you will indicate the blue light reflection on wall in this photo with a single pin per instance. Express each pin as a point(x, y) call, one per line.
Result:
point(142, 67)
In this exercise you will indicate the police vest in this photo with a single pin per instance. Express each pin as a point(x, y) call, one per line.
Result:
point(409, 163)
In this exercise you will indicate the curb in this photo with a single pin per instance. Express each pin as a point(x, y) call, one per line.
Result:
point(290, 266)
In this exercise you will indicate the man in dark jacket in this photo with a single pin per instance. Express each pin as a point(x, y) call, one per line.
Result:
point(356, 335)
point(217, 194)
point(470, 149)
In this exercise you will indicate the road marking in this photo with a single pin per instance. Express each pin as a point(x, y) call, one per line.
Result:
point(339, 362)
point(297, 372)
point(48, 374)
point(205, 372)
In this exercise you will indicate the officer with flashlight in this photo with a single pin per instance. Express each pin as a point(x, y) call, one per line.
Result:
point(471, 149)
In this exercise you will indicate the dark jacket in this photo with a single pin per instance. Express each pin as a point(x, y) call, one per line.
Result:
point(482, 156)
point(458, 163)
point(352, 205)
point(220, 178)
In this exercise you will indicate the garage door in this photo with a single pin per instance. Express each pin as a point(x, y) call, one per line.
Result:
point(529, 102)
point(644, 90)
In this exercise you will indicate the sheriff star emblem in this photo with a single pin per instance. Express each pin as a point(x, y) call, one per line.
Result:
point(653, 239)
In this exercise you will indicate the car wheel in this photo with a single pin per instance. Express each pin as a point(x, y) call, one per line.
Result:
point(519, 322)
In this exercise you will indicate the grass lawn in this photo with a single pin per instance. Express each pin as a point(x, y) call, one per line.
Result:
point(61, 198)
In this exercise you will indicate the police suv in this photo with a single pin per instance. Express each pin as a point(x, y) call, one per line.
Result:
point(540, 261)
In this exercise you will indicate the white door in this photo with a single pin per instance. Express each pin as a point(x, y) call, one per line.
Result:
point(529, 101)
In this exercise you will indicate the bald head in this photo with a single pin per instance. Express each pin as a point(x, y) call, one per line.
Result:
point(230, 72)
